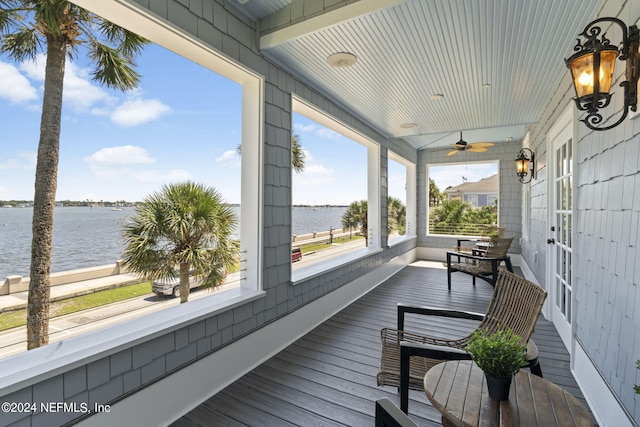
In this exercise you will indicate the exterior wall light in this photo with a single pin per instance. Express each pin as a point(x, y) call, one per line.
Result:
point(597, 57)
point(526, 164)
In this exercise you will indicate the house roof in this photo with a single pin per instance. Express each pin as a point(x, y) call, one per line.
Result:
point(485, 185)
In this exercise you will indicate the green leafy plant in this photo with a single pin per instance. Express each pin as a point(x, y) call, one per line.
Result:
point(499, 355)
point(636, 388)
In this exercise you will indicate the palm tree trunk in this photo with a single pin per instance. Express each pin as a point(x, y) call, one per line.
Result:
point(45, 196)
point(184, 281)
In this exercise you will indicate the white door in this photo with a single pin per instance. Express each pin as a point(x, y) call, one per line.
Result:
point(560, 237)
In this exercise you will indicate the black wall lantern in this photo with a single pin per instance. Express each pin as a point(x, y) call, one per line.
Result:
point(597, 57)
point(525, 164)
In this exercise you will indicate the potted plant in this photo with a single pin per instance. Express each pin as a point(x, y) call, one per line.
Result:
point(499, 355)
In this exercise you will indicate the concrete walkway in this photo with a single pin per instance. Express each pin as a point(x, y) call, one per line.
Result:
point(18, 300)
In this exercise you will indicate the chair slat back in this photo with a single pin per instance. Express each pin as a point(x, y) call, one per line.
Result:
point(497, 248)
point(515, 305)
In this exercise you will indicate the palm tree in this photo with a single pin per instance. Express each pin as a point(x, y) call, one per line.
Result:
point(436, 197)
point(59, 29)
point(397, 215)
point(356, 215)
point(186, 225)
point(297, 153)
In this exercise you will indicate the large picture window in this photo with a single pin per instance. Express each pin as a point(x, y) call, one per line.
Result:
point(401, 202)
point(335, 212)
point(463, 199)
point(118, 149)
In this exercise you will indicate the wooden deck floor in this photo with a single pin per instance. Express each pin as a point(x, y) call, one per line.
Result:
point(327, 378)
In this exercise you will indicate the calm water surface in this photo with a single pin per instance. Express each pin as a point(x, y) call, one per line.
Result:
point(88, 237)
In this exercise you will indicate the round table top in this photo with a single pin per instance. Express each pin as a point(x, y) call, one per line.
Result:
point(458, 390)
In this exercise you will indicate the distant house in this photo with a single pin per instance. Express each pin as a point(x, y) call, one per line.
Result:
point(478, 193)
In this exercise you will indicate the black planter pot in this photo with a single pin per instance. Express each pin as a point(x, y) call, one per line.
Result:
point(498, 387)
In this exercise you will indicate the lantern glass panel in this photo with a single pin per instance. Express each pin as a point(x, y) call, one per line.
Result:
point(522, 166)
point(582, 71)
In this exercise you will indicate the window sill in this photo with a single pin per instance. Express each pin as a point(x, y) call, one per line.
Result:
point(320, 268)
point(401, 239)
point(455, 236)
point(34, 366)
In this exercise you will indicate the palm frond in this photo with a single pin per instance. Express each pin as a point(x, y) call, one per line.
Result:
point(12, 14)
point(297, 154)
point(129, 44)
point(21, 45)
point(112, 69)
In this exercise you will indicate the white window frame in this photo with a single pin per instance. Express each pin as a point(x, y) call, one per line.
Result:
point(496, 161)
point(304, 108)
point(36, 365)
point(410, 197)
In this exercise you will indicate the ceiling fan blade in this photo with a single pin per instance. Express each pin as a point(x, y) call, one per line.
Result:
point(478, 149)
point(452, 152)
point(482, 144)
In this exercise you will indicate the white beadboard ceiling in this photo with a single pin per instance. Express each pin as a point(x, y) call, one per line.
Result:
point(410, 50)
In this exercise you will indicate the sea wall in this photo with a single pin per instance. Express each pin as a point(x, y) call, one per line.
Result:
point(320, 235)
point(18, 283)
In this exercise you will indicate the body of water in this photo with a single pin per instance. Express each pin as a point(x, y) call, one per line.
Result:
point(88, 237)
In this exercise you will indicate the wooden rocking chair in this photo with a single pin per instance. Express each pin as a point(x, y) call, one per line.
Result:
point(407, 356)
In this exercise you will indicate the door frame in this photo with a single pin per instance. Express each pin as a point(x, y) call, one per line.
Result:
point(566, 119)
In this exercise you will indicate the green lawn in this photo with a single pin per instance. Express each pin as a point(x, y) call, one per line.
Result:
point(16, 318)
point(314, 247)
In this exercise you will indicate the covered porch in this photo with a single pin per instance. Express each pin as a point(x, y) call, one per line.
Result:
point(328, 377)
point(293, 349)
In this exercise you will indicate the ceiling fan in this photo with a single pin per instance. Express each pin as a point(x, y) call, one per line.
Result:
point(476, 147)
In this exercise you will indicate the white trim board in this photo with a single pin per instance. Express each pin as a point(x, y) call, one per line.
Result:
point(204, 378)
point(605, 407)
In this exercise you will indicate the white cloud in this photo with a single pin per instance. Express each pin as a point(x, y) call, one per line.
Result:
point(139, 111)
point(176, 175)
point(79, 92)
point(14, 86)
point(25, 160)
point(35, 69)
point(319, 130)
point(119, 156)
point(229, 157)
point(298, 127)
point(126, 164)
point(313, 174)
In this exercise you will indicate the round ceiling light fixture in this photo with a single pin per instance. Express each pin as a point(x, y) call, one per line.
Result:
point(342, 59)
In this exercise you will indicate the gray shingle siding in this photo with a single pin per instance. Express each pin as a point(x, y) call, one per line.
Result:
point(605, 251)
point(109, 377)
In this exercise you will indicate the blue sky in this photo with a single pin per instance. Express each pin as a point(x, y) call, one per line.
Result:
point(446, 176)
point(115, 145)
point(182, 122)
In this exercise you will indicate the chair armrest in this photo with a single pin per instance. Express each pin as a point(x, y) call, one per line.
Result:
point(389, 415)
point(407, 350)
point(432, 311)
point(474, 257)
point(435, 351)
